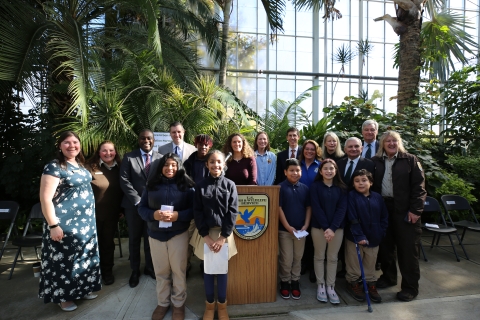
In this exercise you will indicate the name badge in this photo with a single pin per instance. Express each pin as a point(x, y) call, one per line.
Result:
point(99, 172)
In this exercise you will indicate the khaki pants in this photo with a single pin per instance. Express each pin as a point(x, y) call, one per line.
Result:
point(170, 265)
point(290, 258)
point(369, 258)
point(320, 245)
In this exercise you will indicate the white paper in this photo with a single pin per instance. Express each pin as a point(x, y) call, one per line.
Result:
point(300, 234)
point(215, 263)
point(164, 224)
point(431, 225)
point(4, 210)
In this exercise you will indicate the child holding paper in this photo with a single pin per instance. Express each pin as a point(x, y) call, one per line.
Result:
point(294, 215)
point(216, 209)
point(168, 232)
point(329, 206)
point(368, 219)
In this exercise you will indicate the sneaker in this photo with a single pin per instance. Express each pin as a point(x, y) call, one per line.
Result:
point(355, 288)
point(296, 293)
point(332, 295)
point(373, 293)
point(285, 290)
point(321, 293)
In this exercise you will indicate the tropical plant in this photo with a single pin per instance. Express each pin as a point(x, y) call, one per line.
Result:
point(435, 41)
point(282, 115)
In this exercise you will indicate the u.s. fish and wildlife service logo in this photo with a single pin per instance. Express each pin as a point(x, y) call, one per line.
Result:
point(252, 218)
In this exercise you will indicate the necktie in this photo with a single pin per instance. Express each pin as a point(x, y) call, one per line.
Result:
point(293, 154)
point(147, 163)
point(368, 154)
point(176, 150)
point(349, 172)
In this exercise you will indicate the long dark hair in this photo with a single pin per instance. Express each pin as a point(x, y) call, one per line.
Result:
point(95, 159)
point(183, 181)
point(58, 153)
point(337, 181)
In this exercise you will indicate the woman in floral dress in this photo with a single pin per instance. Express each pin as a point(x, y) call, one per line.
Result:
point(70, 261)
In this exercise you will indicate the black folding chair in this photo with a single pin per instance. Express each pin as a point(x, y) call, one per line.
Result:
point(432, 205)
point(459, 203)
point(29, 239)
point(8, 211)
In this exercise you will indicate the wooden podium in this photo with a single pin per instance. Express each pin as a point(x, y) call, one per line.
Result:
point(252, 272)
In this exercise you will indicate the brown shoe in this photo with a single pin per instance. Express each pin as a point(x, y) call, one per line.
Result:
point(209, 311)
point(373, 293)
point(159, 313)
point(222, 311)
point(178, 313)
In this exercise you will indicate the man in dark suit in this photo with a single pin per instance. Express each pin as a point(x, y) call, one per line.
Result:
point(178, 145)
point(353, 162)
point(137, 166)
point(346, 167)
point(293, 151)
point(370, 143)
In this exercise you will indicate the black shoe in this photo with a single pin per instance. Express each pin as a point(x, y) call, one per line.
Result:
point(134, 278)
point(108, 279)
point(149, 272)
point(285, 290)
point(341, 273)
point(296, 293)
point(405, 296)
point(312, 277)
point(355, 288)
point(378, 266)
point(373, 293)
point(382, 283)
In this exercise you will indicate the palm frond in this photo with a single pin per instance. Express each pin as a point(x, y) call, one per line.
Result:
point(275, 11)
point(444, 40)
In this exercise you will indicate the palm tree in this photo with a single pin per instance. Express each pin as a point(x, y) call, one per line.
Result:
point(54, 40)
point(419, 41)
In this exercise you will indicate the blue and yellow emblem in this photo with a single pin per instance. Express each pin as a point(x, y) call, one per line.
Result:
point(252, 218)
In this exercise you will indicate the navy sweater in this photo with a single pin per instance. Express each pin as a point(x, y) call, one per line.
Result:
point(367, 218)
point(329, 206)
point(168, 194)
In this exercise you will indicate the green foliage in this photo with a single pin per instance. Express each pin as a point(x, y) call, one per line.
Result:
point(26, 146)
point(282, 115)
point(315, 131)
point(468, 168)
point(457, 186)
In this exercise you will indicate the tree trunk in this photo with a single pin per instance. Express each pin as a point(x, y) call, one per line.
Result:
point(222, 77)
point(409, 56)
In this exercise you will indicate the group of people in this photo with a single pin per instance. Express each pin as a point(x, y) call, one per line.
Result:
point(183, 198)
point(371, 194)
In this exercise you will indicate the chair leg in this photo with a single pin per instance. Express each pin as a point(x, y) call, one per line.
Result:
point(36, 252)
point(433, 240)
point(453, 247)
point(463, 233)
point(423, 251)
point(14, 262)
point(438, 240)
point(119, 240)
point(463, 248)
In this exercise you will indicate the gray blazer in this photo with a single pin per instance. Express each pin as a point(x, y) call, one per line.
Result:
point(133, 178)
point(188, 149)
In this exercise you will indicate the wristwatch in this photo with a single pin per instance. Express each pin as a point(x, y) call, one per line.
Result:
point(54, 226)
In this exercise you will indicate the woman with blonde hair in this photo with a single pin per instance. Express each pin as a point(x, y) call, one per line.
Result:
point(331, 146)
point(242, 168)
